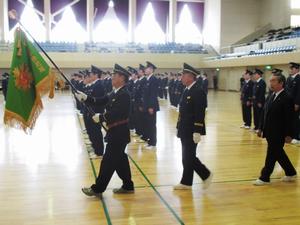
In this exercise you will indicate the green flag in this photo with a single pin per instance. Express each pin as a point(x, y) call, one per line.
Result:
point(30, 78)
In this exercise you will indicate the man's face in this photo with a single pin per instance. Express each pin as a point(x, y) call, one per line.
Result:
point(141, 73)
point(148, 70)
point(116, 80)
point(93, 76)
point(186, 79)
point(274, 84)
point(294, 70)
point(246, 76)
point(256, 76)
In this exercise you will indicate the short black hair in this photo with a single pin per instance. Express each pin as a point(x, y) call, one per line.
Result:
point(281, 78)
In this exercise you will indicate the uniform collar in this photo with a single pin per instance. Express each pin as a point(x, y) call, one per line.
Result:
point(191, 85)
point(94, 82)
point(116, 90)
point(148, 78)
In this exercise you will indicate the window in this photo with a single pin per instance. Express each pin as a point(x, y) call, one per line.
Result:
point(186, 31)
point(149, 31)
point(68, 29)
point(295, 20)
point(28, 18)
point(110, 28)
point(295, 4)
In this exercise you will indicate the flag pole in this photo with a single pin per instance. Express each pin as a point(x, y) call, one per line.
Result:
point(13, 15)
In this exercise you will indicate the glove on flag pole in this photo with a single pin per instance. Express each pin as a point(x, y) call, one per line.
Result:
point(30, 78)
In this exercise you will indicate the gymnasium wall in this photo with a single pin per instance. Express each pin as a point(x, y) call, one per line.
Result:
point(277, 12)
point(238, 19)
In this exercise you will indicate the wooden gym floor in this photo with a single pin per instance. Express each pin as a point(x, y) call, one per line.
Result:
point(41, 174)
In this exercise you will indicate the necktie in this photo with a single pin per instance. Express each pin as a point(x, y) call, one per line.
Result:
point(184, 94)
point(271, 100)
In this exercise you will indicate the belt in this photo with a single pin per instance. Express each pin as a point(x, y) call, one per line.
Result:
point(121, 122)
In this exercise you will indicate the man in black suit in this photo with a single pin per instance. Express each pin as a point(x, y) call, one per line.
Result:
point(293, 88)
point(246, 98)
point(190, 127)
point(117, 105)
point(276, 126)
point(258, 99)
point(150, 105)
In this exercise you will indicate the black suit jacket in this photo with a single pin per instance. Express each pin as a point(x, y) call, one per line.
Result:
point(293, 88)
point(117, 106)
point(192, 112)
point(277, 117)
point(150, 94)
point(259, 92)
point(247, 90)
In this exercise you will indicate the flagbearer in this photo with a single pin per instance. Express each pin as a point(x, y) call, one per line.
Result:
point(117, 105)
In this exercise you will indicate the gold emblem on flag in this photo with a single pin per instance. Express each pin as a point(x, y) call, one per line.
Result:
point(23, 77)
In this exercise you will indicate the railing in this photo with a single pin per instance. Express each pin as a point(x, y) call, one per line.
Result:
point(115, 48)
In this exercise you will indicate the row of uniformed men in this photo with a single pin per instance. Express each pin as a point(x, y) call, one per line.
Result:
point(176, 87)
point(253, 92)
point(190, 127)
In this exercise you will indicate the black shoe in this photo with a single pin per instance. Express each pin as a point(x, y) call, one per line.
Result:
point(89, 192)
point(122, 191)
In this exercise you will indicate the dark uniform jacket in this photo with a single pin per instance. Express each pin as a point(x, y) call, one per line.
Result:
point(293, 88)
point(150, 94)
point(97, 90)
point(133, 94)
point(138, 99)
point(205, 85)
point(259, 91)
point(178, 88)
point(277, 117)
point(247, 90)
point(117, 106)
point(191, 112)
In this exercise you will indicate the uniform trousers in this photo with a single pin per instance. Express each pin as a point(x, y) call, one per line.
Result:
point(191, 163)
point(256, 115)
point(95, 134)
point(150, 128)
point(114, 159)
point(246, 114)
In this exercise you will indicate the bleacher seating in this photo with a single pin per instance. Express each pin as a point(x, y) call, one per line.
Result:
point(116, 48)
point(273, 42)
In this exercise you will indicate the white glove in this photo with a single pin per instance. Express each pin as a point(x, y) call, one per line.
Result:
point(96, 118)
point(196, 137)
point(80, 96)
